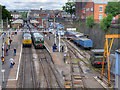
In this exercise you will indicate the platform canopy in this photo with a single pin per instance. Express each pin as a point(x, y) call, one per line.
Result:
point(18, 21)
point(34, 21)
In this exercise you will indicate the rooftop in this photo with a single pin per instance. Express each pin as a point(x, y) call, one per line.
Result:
point(118, 51)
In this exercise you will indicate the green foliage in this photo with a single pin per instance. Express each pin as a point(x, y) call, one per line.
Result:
point(82, 23)
point(90, 21)
point(24, 15)
point(5, 13)
point(106, 22)
point(69, 7)
point(113, 8)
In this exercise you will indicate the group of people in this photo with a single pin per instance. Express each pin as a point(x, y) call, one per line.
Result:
point(5, 51)
point(11, 59)
point(55, 48)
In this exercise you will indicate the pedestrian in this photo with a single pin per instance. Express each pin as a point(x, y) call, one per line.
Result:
point(8, 46)
point(7, 51)
point(11, 62)
point(49, 37)
point(55, 47)
point(14, 51)
point(3, 39)
point(3, 60)
point(62, 48)
point(1, 57)
point(64, 57)
point(2, 48)
point(10, 40)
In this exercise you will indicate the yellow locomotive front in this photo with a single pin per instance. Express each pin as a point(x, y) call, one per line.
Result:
point(27, 41)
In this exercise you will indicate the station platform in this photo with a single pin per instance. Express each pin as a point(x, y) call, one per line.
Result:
point(11, 74)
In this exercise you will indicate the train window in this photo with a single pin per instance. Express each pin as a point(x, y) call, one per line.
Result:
point(37, 39)
point(42, 39)
point(27, 37)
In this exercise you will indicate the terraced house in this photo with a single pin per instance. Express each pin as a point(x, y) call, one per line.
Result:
point(97, 9)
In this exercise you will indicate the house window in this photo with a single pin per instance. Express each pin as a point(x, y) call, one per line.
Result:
point(100, 8)
point(87, 9)
point(113, 18)
point(84, 11)
point(100, 16)
point(92, 9)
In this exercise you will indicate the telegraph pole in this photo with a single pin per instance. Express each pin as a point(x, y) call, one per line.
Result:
point(59, 41)
point(54, 30)
point(2, 24)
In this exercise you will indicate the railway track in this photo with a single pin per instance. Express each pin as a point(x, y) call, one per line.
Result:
point(76, 72)
point(83, 54)
point(28, 77)
point(48, 71)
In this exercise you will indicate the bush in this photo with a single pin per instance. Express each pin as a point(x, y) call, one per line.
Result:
point(106, 22)
point(90, 21)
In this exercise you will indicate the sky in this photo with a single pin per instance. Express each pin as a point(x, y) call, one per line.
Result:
point(33, 4)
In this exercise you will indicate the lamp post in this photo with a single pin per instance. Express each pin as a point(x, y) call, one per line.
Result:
point(54, 30)
point(3, 75)
point(59, 41)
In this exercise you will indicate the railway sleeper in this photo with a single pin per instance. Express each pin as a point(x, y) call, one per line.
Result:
point(67, 82)
point(78, 86)
point(77, 77)
point(67, 86)
point(74, 63)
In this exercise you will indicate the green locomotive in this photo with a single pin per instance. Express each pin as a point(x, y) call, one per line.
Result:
point(38, 40)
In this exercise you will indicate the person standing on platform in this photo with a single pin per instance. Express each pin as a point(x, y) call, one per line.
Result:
point(1, 57)
point(3, 60)
point(7, 51)
point(14, 51)
point(11, 62)
point(62, 48)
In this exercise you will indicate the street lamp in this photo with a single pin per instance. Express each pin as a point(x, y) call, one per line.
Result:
point(3, 70)
point(54, 30)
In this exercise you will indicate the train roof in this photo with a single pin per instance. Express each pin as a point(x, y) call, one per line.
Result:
point(27, 34)
point(37, 35)
point(79, 34)
point(84, 39)
point(98, 50)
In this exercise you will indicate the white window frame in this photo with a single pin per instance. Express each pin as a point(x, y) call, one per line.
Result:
point(99, 8)
point(92, 9)
point(101, 15)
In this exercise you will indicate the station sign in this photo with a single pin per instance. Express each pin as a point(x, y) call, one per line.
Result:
point(71, 29)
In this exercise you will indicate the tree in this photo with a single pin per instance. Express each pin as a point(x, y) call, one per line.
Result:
point(113, 8)
point(69, 7)
point(90, 21)
point(5, 13)
point(24, 15)
point(106, 22)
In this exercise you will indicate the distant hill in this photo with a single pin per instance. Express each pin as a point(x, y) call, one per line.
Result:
point(18, 10)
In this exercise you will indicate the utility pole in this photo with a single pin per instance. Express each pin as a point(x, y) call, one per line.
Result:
point(54, 30)
point(3, 74)
point(59, 41)
point(7, 22)
point(2, 24)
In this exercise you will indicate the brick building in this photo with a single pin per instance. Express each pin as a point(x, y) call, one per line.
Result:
point(85, 9)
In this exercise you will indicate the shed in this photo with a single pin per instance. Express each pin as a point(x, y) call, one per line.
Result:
point(18, 21)
point(34, 21)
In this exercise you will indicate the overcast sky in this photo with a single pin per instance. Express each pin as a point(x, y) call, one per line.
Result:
point(33, 4)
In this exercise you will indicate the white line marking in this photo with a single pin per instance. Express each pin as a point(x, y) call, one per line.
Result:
point(47, 48)
point(11, 79)
point(99, 81)
point(18, 66)
point(19, 63)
